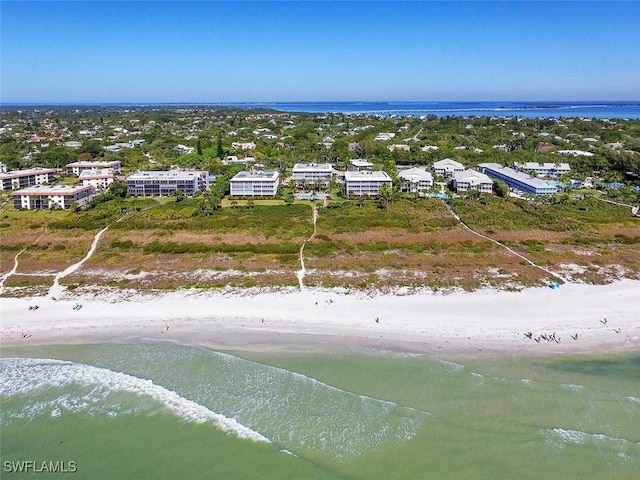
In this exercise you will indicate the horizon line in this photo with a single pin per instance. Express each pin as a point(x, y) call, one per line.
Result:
point(278, 102)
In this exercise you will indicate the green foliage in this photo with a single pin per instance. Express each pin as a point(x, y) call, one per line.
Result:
point(101, 213)
point(255, 248)
point(501, 188)
point(118, 189)
point(362, 216)
point(92, 148)
point(56, 156)
point(579, 215)
point(123, 245)
point(271, 220)
point(219, 149)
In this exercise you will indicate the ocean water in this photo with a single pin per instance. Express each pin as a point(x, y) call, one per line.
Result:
point(543, 109)
point(162, 410)
point(592, 109)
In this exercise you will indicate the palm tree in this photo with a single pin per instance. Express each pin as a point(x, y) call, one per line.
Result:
point(385, 195)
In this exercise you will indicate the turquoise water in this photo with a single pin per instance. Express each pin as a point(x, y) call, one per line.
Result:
point(172, 411)
point(311, 196)
point(587, 109)
point(542, 109)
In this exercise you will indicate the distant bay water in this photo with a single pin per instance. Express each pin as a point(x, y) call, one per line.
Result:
point(586, 109)
point(630, 110)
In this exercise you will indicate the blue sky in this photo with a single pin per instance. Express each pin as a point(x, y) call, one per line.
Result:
point(74, 52)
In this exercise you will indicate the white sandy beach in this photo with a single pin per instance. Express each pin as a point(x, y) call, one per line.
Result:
point(288, 320)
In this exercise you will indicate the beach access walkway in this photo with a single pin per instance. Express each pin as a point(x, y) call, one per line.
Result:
point(56, 288)
point(301, 273)
point(634, 208)
point(510, 250)
point(15, 260)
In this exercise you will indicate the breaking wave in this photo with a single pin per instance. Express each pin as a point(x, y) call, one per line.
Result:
point(623, 447)
point(57, 387)
point(300, 413)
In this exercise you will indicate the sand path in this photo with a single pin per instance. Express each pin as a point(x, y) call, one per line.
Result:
point(510, 250)
point(302, 272)
point(56, 289)
point(15, 261)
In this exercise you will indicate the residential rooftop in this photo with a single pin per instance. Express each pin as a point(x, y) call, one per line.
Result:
point(377, 175)
point(51, 190)
point(29, 171)
point(165, 174)
point(250, 175)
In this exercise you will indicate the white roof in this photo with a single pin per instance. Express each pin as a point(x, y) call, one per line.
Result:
point(94, 164)
point(575, 153)
point(313, 167)
point(378, 175)
point(523, 177)
point(415, 174)
point(546, 165)
point(165, 175)
point(96, 173)
point(446, 163)
point(23, 173)
point(385, 136)
point(52, 190)
point(472, 176)
point(253, 175)
point(360, 162)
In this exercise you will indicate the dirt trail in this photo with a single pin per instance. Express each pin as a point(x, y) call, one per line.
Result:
point(56, 289)
point(550, 272)
point(15, 261)
point(301, 273)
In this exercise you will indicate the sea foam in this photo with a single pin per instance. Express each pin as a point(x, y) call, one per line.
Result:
point(622, 447)
point(295, 411)
point(37, 379)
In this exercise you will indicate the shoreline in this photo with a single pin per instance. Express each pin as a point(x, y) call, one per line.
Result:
point(322, 320)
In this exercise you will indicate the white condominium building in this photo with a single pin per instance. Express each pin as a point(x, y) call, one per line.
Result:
point(312, 173)
point(415, 180)
point(366, 182)
point(43, 197)
point(99, 179)
point(472, 180)
point(518, 180)
point(447, 167)
point(259, 183)
point(156, 183)
point(77, 167)
point(546, 168)
point(26, 178)
point(360, 164)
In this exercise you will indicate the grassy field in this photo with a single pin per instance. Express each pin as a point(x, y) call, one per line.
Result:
point(411, 243)
point(491, 214)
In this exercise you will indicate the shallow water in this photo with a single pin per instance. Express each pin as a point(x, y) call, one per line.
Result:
point(171, 411)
